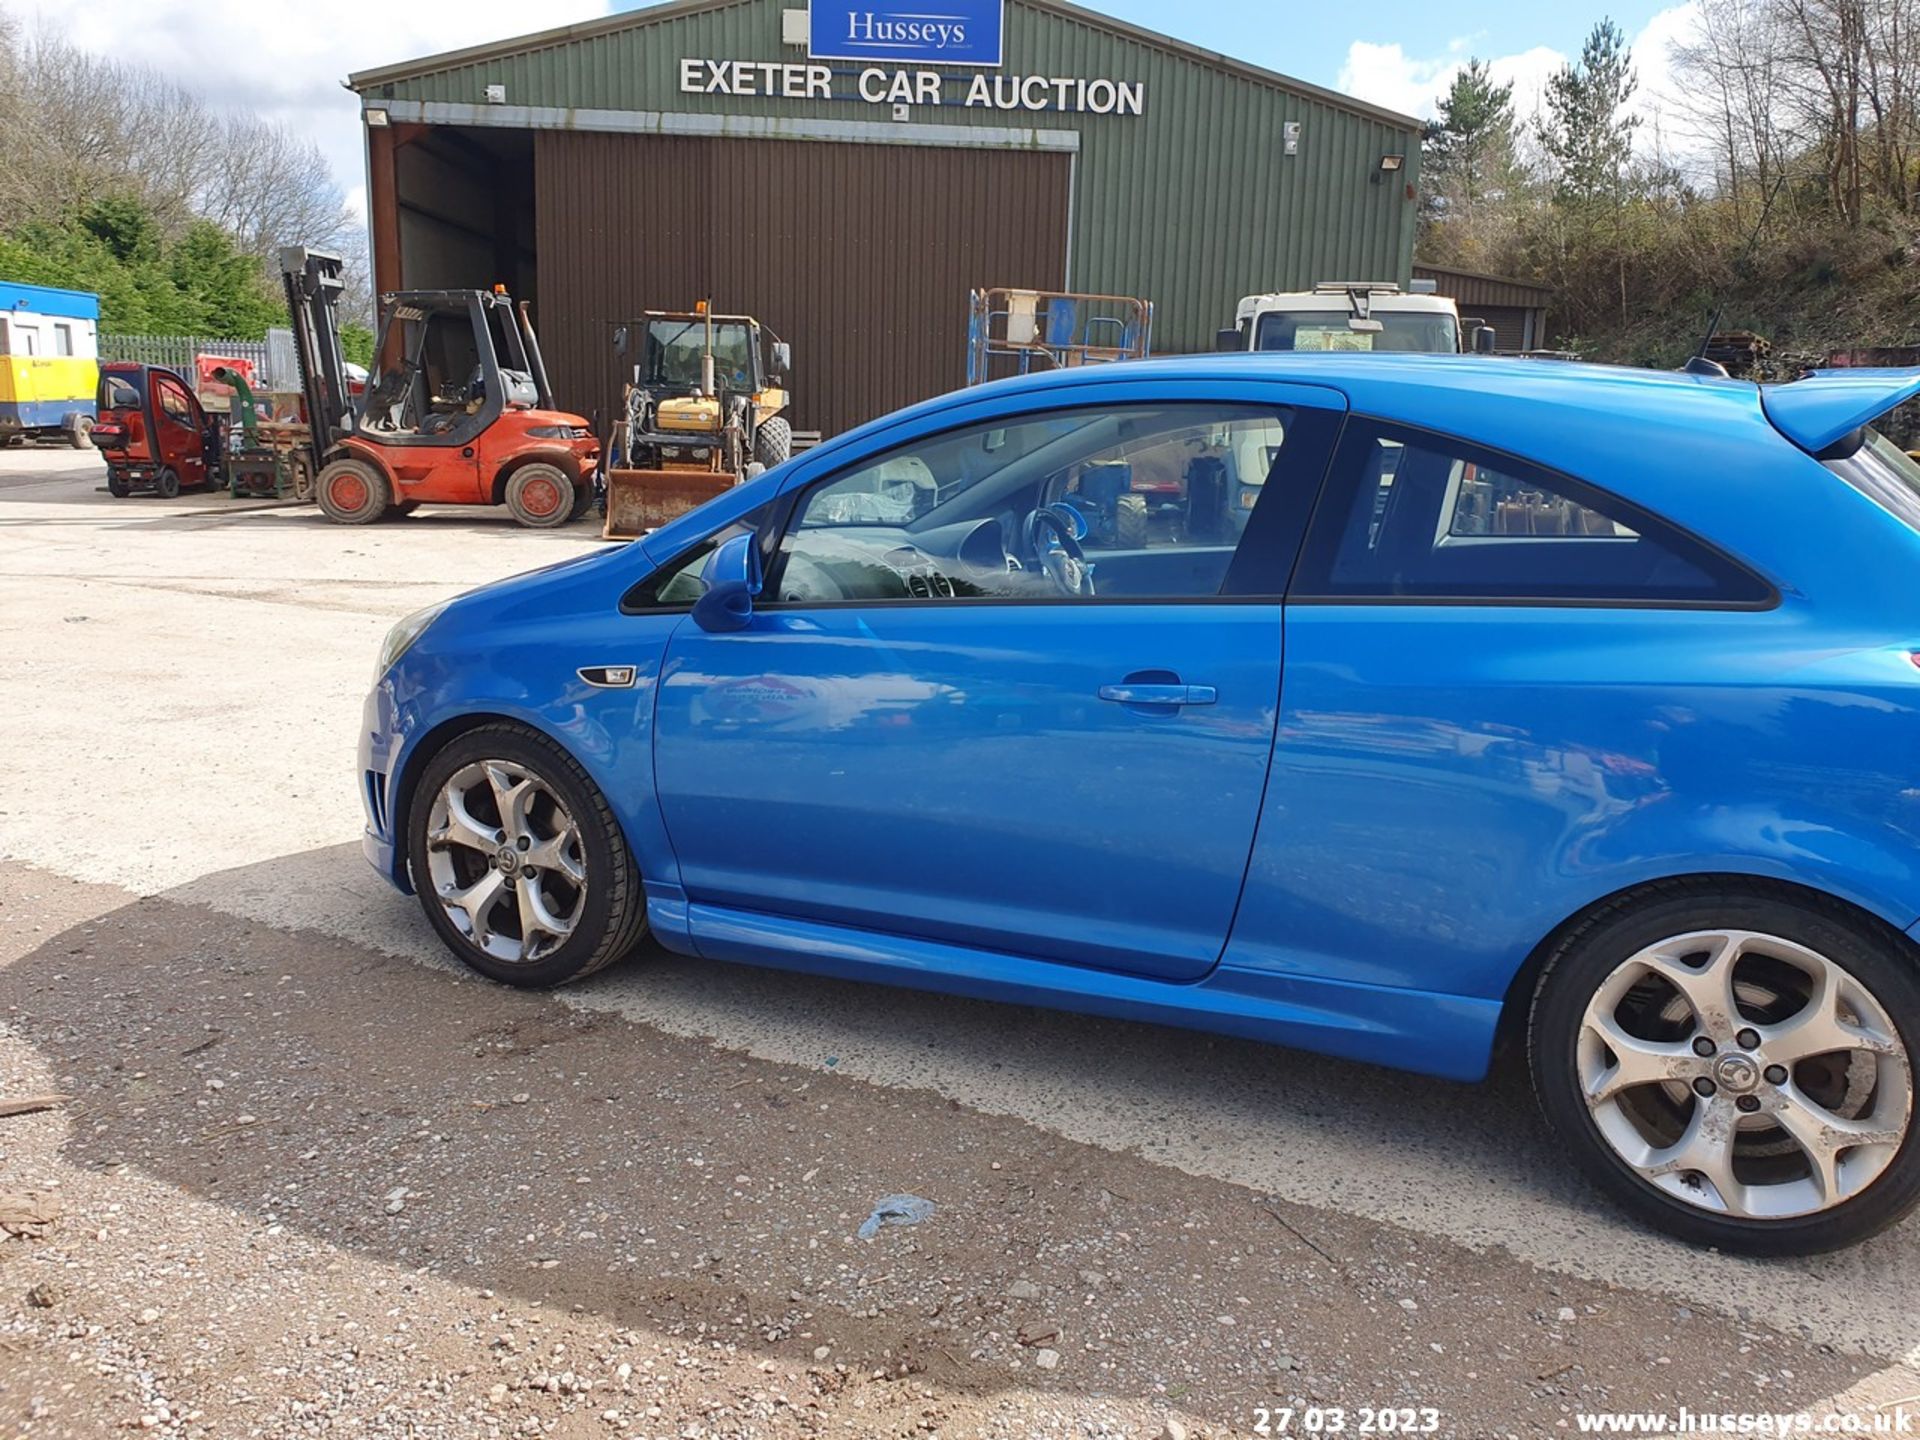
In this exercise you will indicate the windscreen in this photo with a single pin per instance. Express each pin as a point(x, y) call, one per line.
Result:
point(119, 391)
point(674, 350)
point(1402, 333)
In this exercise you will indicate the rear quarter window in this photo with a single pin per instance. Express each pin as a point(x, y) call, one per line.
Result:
point(1414, 516)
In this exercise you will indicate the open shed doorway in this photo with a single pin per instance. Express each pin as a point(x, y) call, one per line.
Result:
point(463, 211)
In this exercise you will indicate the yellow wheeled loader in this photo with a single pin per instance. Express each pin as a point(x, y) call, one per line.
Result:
point(701, 413)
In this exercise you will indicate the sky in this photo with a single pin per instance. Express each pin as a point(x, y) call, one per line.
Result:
point(1397, 53)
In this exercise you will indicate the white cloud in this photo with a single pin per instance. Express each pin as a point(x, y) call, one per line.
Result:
point(287, 60)
point(1387, 75)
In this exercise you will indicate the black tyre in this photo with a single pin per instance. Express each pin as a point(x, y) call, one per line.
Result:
point(541, 495)
point(519, 862)
point(1731, 1064)
point(166, 483)
point(773, 441)
point(80, 432)
point(352, 492)
point(117, 485)
point(1130, 523)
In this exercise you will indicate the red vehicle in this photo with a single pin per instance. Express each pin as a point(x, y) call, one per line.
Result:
point(152, 431)
point(457, 410)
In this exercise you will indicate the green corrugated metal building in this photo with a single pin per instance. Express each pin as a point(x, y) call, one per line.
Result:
point(849, 181)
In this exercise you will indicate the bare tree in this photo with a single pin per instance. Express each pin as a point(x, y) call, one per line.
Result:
point(1734, 96)
point(125, 129)
point(268, 187)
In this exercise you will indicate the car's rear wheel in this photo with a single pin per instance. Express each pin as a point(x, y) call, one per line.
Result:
point(117, 485)
point(519, 862)
point(166, 483)
point(1735, 1067)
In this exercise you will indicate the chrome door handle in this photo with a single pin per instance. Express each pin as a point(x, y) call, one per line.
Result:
point(1160, 694)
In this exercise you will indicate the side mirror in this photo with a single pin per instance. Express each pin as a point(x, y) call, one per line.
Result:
point(782, 358)
point(1485, 340)
point(1227, 341)
point(620, 340)
point(732, 578)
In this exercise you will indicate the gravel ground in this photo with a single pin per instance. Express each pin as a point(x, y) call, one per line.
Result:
point(312, 1180)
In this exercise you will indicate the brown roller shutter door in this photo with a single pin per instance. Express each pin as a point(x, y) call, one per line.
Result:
point(859, 255)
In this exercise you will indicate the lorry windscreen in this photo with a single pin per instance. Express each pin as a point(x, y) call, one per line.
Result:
point(1403, 333)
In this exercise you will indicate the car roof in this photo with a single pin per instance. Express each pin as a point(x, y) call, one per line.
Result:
point(1368, 372)
point(1452, 392)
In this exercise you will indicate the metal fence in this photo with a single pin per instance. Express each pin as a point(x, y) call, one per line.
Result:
point(272, 358)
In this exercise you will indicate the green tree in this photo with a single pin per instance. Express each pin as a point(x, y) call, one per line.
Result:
point(200, 284)
point(225, 286)
point(1469, 157)
point(1474, 181)
point(1586, 132)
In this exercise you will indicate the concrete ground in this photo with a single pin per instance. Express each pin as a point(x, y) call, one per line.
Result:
point(311, 1178)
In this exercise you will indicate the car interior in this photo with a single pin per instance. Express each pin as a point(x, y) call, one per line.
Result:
point(1117, 503)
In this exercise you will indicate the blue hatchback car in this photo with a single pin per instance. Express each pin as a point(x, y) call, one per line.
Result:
point(1390, 707)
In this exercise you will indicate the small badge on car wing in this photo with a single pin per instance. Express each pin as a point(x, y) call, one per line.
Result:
point(609, 677)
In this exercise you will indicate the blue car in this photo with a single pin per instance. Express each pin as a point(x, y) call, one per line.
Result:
point(1440, 703)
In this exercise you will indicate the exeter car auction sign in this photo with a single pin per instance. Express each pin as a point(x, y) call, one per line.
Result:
point(878, 85)
point(939, 32)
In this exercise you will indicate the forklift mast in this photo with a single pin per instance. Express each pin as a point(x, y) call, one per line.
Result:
point(313, 282)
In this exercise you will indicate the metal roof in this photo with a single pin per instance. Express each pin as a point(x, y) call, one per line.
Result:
point(361, 80)
point(48, 300)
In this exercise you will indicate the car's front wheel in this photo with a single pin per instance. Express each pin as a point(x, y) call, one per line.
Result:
point(519, 861)
point(1735, 1066)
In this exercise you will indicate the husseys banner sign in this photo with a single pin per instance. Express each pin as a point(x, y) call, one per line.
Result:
point(949, 32)
point(932, 32)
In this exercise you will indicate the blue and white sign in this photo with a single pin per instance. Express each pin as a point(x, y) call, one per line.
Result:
point(931, 32)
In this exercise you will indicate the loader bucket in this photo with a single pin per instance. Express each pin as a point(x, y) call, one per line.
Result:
point(643, 500)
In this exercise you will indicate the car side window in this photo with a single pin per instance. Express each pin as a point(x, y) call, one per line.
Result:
point(1140, 502)
point(677, 584)
point(1413, 515)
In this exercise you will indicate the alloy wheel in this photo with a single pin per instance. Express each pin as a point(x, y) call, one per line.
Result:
point(1745, 1074)
point(505, 860)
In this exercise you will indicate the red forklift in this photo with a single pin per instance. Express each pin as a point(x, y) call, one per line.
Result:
point(152, 432)
point(457, 410)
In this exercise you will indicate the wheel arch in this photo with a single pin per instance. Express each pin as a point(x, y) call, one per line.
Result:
point(1517, 1003)
point(419, 754)
point(352, 448)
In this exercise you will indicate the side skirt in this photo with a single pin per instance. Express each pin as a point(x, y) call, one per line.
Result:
point(1449, 1036)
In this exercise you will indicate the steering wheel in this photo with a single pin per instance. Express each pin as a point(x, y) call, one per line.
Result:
point(1052, 541)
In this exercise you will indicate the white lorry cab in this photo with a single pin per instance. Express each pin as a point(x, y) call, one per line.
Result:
point(1349, 315)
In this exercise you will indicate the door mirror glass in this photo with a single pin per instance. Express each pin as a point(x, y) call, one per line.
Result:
point(782, 358)
point(732, 578)
point(1227, 341)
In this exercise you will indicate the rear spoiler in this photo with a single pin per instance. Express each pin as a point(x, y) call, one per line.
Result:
point(1823, 409)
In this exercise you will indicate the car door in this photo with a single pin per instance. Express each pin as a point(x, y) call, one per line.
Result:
point(935, 725)
point(178, 443)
